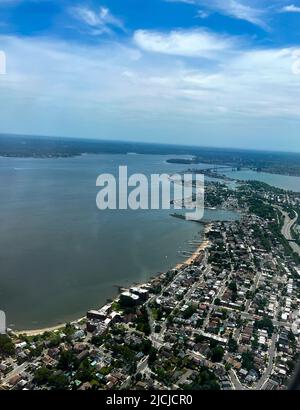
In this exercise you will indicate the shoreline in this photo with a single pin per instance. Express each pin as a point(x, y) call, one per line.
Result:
point(202, 246)
point(37, 332)
point(205, 243)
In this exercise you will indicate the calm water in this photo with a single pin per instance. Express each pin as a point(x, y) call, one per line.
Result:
point(60, 255)
point(279, 181)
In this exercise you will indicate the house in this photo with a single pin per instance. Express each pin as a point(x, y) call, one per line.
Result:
point(82, 355)
point(79, 334)
point(15, 380)
point(86, 386)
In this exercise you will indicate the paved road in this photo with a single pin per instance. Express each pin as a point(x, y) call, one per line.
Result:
point(184, 377)
point(288, 225)
point(235, 381)
point(141, 367)
point(14, 372)
point(266, 375)
point(287, 230)
point(157, 338)
point(248, 316)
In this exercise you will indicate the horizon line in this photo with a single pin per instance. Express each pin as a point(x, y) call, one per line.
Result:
point(96, 139)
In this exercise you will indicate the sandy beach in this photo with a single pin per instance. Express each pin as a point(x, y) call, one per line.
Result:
point(39, 331)
point(36, 332)
point(198, 251)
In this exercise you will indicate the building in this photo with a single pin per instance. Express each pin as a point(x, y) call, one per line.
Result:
point(129, 299)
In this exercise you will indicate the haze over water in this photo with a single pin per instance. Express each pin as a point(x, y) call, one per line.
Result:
point(60, 255)
point(287, 182)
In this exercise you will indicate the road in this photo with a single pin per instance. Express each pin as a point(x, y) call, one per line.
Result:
point(287, 230)
point(158, 338)
point(236, 384)
point(267, 373)
point(235, 381)
point(17, 370)
point(184, 377)
point(265, 377)
point(288, 225)
point(141, 367)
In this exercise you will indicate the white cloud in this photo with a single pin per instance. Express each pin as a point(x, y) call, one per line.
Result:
point(238, 9)
point(188, 43)
point(100, 21)
point(202, 14)
point(112, 91)
point(290, 9)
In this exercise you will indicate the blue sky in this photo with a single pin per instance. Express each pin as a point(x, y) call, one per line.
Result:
point(205, 72)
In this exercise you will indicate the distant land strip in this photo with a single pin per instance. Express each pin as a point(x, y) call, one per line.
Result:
point(26, 146)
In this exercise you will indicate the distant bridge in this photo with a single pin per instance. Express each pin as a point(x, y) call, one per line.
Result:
point(227, 167)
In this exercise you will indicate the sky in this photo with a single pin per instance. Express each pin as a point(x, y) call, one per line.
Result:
point(195, 72)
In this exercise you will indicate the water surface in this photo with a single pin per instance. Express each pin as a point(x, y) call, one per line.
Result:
point(60, 255)
point(291, 183)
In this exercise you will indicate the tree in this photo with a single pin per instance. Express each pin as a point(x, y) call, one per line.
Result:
point(227, 367)
point(249, 294)
point(97, 340)
point(132, 367)
point(199, 338)
point(255, 344)
point(7, 347)
point(146, 346)
point(67, 361)
point(233, 286)
point(205, 380)
point(58, 381)
point(152, 355)
point(265, 323)
point(54, 340)
point(248, 361)
point(86, 371)
point(189, 312)
point(217, 354)
point(42, 375)
point(142, 322)
point(232, 345)
point(157, 328)
point(199, 323)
